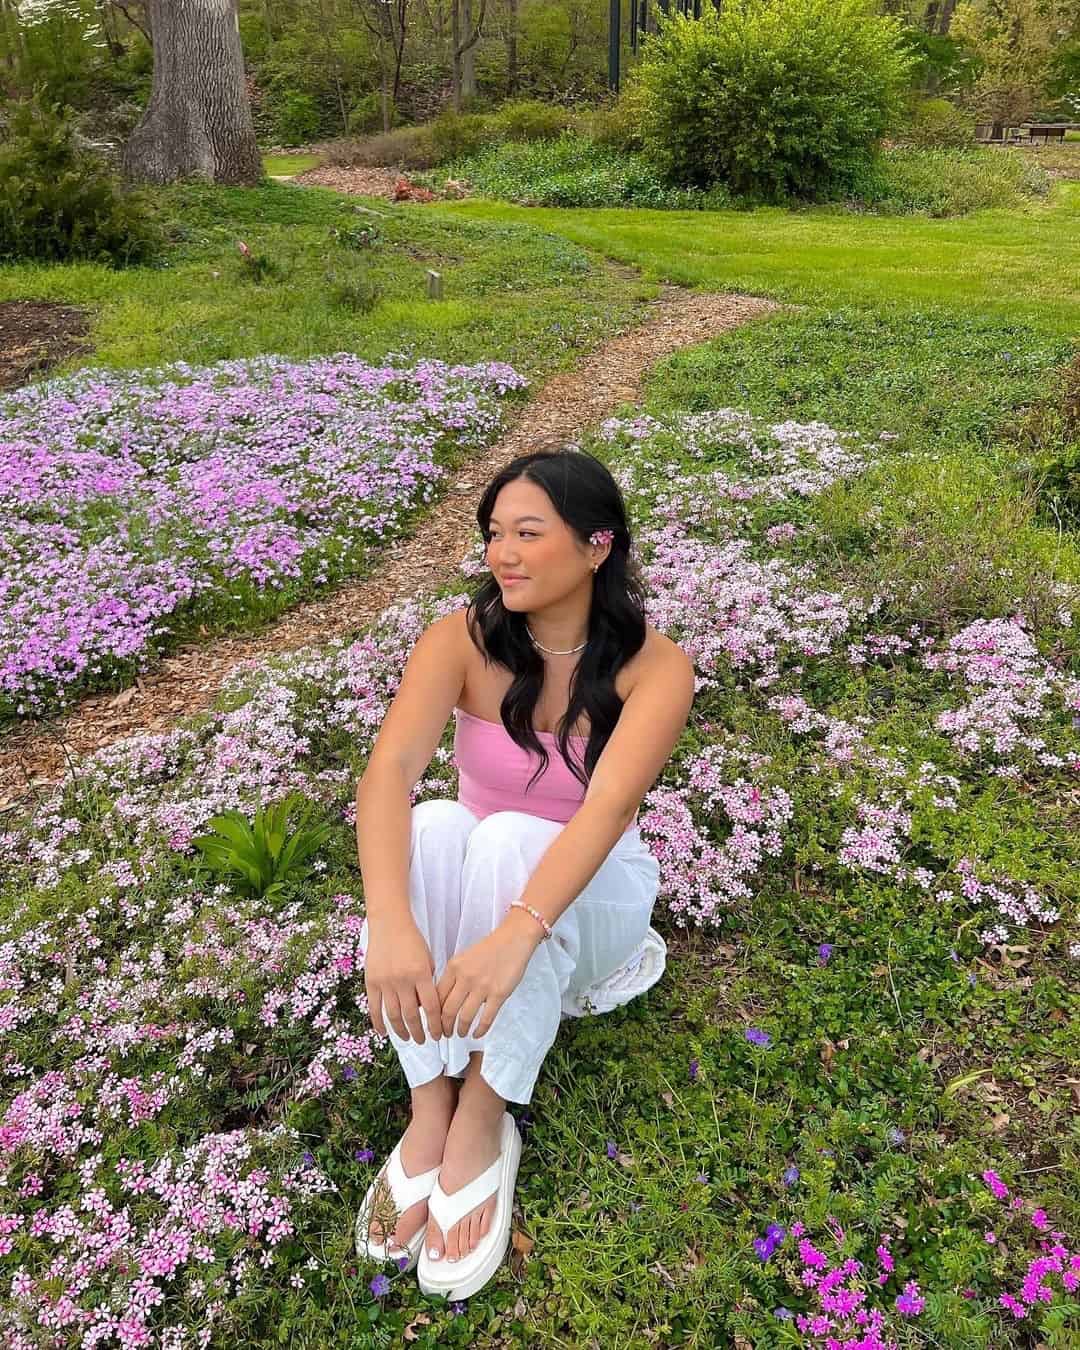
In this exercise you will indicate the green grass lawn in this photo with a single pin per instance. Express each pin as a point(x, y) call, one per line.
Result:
point(288, 164)
point(1012, 265)
point(200, 306)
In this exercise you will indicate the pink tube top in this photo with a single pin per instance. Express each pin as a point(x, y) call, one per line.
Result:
point(493, 772)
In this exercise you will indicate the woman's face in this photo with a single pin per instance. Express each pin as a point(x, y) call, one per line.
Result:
point(531, 540)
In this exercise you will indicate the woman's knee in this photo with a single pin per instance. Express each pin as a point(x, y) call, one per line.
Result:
point(506, 829)
point(438, 818)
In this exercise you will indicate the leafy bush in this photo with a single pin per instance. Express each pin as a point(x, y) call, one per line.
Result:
point(296, 118)
point(572, 171)
point(936, 123)
point(778, 99)
point(947, 182)
point(529, 120)
point(365, 115)
point(60, 200)
point(455, 134)
point(617, 123)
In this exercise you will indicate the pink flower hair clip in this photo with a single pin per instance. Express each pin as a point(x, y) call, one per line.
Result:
point(599, 537)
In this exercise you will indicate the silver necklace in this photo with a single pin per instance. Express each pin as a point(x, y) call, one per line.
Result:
point(550, 651)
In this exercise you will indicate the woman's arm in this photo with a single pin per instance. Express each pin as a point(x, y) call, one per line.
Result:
point(398, 969)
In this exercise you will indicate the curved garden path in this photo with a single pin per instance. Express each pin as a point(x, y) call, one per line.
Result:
point(185, 682)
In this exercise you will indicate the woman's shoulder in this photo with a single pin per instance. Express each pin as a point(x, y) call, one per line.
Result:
point(656, 658)
point(658, 648)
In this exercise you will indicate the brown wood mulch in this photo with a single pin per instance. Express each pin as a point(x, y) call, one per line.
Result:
point(38, 334)
point(374, 181)
point(185, 682)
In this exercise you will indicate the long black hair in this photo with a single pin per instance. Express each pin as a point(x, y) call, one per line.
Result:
point(587, 498)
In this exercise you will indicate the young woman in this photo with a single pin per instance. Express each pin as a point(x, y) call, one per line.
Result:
point(490, 916)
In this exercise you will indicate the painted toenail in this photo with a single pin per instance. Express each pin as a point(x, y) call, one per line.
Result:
point(433, 1252)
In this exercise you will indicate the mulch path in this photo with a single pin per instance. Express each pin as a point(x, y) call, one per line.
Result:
point(375, 181)
point(38, 334)
point(185, 682)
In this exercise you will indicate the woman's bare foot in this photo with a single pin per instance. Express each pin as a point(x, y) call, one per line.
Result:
point(422, 1147)
point(472, 1145)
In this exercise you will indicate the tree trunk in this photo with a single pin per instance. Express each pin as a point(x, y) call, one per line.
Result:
point(399, 45)
point(455, 52)
point(511, 48)
point(14, 40)
point(468, 56)
point(945, 17)
point(198, 121)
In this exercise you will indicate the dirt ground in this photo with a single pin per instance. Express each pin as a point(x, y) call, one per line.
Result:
point(36, 335)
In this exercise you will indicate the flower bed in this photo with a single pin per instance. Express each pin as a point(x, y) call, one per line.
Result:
point(178, 1055)
point(136, 503)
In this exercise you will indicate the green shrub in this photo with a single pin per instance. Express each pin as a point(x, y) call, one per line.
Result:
point(365, 115)
point(947, 182)
point(617, 123)
point(296, 118)
point(60, 200)
point(529, 120)
point(937, 123)
point(456, 134)
point(572, 171)
point(778, 99)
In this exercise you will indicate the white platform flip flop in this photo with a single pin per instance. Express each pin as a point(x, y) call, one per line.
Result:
point(406, 1191)
point(459, 1279)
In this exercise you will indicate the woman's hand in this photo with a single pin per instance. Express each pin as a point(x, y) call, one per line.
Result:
point(398, 978)
point(486, 974)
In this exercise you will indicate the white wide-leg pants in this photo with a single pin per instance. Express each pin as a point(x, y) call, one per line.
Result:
point(463, 874)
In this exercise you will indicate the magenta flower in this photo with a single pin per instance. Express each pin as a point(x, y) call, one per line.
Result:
point(910, 1303)
point(996, 1185)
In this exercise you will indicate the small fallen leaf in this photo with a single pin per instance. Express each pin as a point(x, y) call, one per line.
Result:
point(522, 1242)
point(420, 1320)
point(667, 1099)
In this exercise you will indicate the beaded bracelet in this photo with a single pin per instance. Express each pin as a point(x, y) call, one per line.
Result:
point(520, 904)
